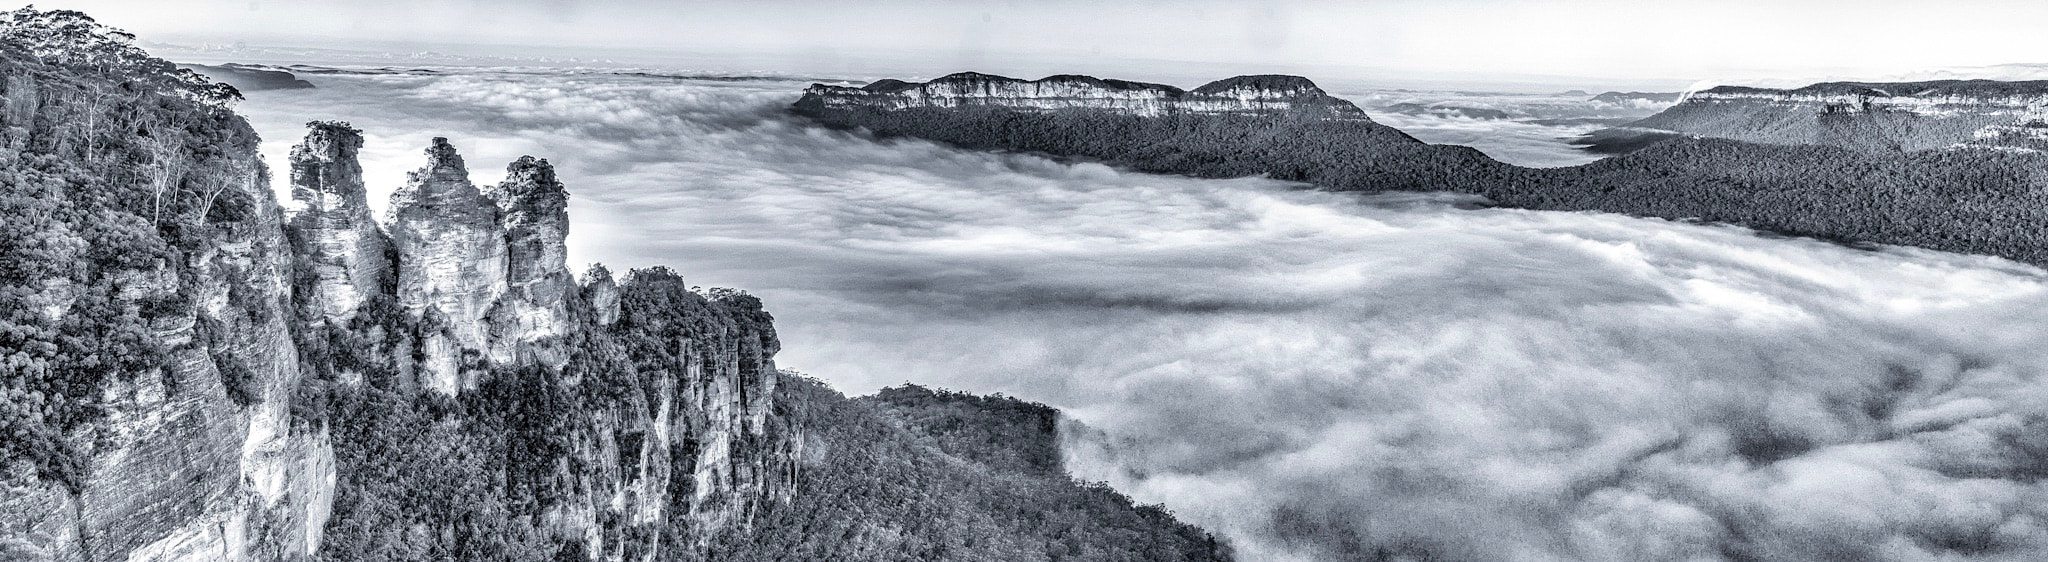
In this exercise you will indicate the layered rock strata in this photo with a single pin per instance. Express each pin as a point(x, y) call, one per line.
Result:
point(339, 244)
point(451, 264)
point(533, 210)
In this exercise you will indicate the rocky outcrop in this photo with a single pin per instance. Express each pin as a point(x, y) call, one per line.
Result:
point(1264, 94)
point(684, 440)
point(451, 263)
point(740, 465)
point(602, 292)
point(338, 242)
point(697, 449)
point(1882, 117)
point(534, 313)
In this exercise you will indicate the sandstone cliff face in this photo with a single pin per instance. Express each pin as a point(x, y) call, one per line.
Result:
point(1886, 117)
point(534, 209)
point(696, 448)
point(1240, 95)
point(339, 243)
point(181, 471)
point(451, 262)
point(739, 466)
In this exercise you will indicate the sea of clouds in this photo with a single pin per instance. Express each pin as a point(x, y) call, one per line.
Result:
point(1314, 376)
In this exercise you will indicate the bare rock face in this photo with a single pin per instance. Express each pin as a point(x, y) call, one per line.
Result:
point(451, 258)
point(1263, 94)
point(602, 292)
point(338, 241)
point(534, 212)
point(740, 466)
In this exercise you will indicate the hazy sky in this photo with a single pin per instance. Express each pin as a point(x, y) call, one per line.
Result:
point(1624, 41)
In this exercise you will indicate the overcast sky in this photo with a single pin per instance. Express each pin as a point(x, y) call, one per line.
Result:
point(1617, 40)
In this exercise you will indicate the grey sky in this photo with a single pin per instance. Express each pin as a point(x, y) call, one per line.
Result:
point(1617, 40)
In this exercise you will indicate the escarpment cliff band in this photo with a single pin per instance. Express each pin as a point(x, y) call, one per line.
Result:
point(1264, 94)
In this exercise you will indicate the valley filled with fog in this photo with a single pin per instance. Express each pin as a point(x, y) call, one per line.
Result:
point(1313, 375)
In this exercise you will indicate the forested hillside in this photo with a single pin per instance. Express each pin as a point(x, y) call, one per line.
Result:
point(1974, 201)
point(1345, 154)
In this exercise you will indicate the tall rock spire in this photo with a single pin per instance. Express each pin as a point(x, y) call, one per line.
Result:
point(452, 261)
point(338, 240)
point(534, 211)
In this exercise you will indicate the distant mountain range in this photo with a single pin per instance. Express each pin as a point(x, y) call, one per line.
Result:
point(1942, 165)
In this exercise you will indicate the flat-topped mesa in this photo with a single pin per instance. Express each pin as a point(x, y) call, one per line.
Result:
point(451, 260)
point(1879, 116)
point(534, 212)
point(337, 238)
point(1257, 95)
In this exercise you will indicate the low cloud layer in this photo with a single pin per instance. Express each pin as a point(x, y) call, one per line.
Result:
point(1315, 375)
point(1530, 129)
